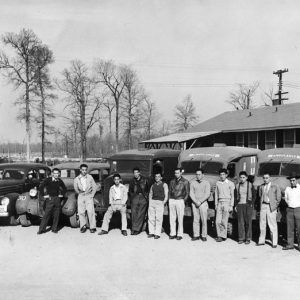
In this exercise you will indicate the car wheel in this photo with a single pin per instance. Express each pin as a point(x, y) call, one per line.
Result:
point(24, 221)
point(74, 221)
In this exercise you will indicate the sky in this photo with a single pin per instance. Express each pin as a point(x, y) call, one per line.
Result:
point(202, 48)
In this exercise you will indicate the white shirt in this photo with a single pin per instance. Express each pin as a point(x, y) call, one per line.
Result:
point(265, 192)
point(117, 192)
point(83, 181)
point(292, 196)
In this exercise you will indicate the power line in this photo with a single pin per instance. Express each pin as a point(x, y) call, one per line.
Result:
point(279, 93)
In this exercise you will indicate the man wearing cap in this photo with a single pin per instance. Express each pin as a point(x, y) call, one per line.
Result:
point(292, 198)
point(224, 201)
point(269, 196)
point(118, 195)
point(85, 187)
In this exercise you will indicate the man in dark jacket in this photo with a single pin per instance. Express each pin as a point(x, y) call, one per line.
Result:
point(53, 190)
point(178, 194)
point(244, 201)
point(138, 191)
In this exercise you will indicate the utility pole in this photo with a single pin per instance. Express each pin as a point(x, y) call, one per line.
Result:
point(279, 100)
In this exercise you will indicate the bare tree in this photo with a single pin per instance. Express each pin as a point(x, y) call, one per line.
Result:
point(109, 104)
point(150, 118)
point(242, 98)
point(268, 96)
point(111, 76)
point(185, 114)
point(20, 71)
point(133, 97)
point(81, 92)
point(43, 56)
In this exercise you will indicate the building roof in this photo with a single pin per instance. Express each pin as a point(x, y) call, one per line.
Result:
point(180, 137)
point(227, 153)
point(262, 118)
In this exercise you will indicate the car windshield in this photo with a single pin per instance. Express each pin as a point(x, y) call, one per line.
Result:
point(209, 167)
point(278, 168)
point(126, 166)
point(12, 174)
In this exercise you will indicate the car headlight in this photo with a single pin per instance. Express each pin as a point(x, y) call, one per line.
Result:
point(32, 192)
point(5, 201)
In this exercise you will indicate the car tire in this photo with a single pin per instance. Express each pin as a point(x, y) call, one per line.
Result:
point(24, 221)
point(74, 221)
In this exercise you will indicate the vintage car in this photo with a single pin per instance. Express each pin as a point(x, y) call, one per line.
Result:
point(12, 179)
point(148, 161)
point(279, 163)
point(30, 205)
point(211, 160)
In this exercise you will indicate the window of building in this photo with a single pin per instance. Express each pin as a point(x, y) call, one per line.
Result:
point(288, 138)
point(240, 139)
point(270, 139)
point(252, 140)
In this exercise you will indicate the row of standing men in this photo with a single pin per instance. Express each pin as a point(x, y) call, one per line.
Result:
point(151, 199)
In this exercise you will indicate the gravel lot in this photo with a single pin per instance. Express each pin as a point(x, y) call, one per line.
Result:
point(71, 265)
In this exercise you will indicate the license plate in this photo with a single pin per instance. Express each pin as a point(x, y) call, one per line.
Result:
point(22, 198)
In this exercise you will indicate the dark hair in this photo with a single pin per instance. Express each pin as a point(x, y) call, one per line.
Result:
point(267, 173)
point(158, 172)
point(178, 168)
point(223, 170)
point(116, 175)
point(243, 173)
point(56, 169)
point(136, 169)
point(200, 170)
point(83, 166)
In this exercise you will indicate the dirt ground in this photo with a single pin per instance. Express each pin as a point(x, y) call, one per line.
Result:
point(71, 265)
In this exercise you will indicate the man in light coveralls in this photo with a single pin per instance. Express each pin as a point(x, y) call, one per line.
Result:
point(85, 187)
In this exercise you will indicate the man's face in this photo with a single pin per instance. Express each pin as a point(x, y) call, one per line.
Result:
point(83, 171)
point(117, 180)
point(158, 177)
point(30, 176)
point(266, 178)
point(136, 174)
point(243, 178)
point(293, 181)
point(55, 174)
point(223, 176)
point(177, 174)
point(199, 175)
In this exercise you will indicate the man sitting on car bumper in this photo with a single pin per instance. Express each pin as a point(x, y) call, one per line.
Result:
point(118, 195)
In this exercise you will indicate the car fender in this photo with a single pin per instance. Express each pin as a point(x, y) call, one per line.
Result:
point(22, 203)
point(70, 206)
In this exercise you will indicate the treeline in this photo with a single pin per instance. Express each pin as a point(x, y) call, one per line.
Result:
point(105, 106)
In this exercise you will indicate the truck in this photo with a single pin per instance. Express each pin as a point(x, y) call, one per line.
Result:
point(279, 163)
point(211, 160)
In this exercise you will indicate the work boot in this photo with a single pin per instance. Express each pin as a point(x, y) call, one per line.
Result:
point(124, 232)
point(93, 230)
point(103, 232)
point(150, 236)
point(195, 238)
point(83, 229)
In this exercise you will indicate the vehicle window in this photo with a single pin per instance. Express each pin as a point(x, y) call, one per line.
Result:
point(272, 168)
point(287, 169)
point(190, 166)
point(67, 173)
point(126, 166)
point(231, 170)
point(158, 167)
point(95, 175)
point(13, 174)
point(105, 173)
point(211, 167)
point(42, 174)
point(1, 174)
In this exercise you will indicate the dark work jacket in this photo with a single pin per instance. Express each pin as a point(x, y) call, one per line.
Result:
point(179, 189)
point(53, 189)
point(140, 186)
point(30, 184)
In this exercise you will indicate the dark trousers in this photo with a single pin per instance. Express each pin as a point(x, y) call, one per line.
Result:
point(244, 213)
point(53, 207)
point(292, 219)
point(138, 212)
